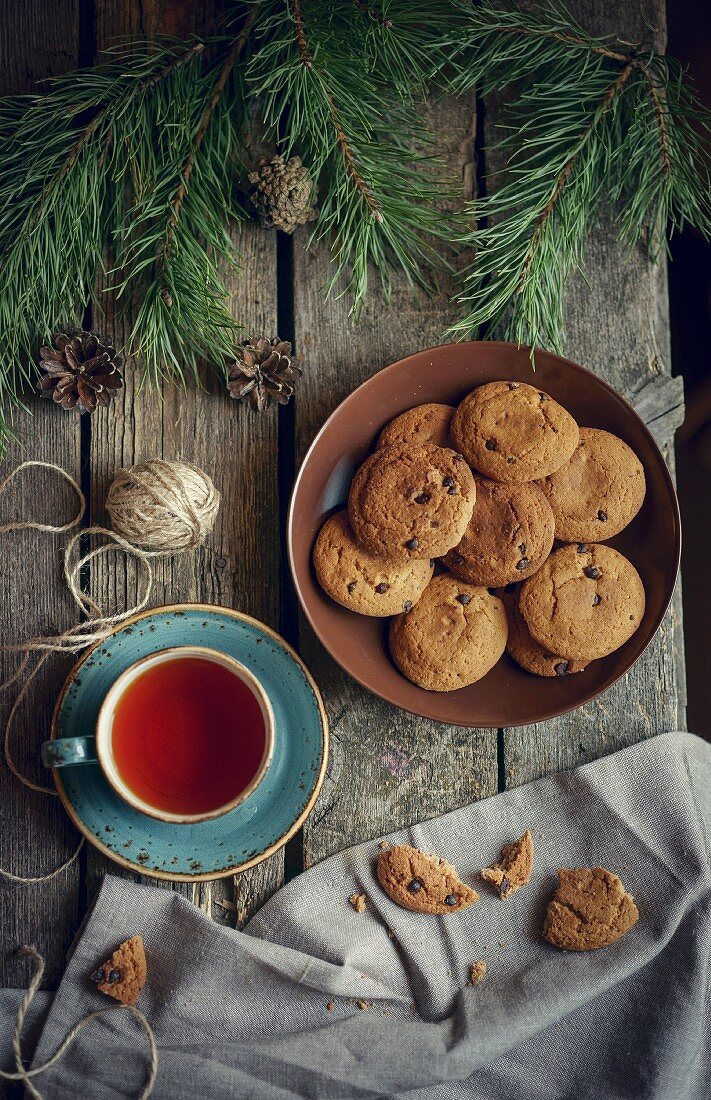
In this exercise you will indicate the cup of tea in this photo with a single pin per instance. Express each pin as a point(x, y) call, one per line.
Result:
point(184, 735)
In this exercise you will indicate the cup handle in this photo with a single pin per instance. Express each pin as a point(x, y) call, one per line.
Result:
point(68, 750)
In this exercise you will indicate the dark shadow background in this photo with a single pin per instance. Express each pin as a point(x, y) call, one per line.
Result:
point(689, 23)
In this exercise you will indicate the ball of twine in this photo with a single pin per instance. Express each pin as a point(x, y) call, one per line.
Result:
point(167, 507)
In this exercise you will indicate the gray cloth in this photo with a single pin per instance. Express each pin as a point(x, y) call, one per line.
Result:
point(244, 1014)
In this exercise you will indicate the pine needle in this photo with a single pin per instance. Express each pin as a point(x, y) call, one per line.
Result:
point(593, 120)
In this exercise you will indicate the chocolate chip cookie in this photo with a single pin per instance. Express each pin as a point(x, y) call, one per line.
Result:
point(361, 581)
point(409, 502)
point(525, 651)
point(590, 909)
point(453, 636)
point(423, 424)
point(599, 491)
point(514, 867)
point(422, 883)
point(509, 536)
point(511, 431)
point(584, 602)
point(124, 974)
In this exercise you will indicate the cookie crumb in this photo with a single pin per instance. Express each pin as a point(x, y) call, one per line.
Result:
point(514, 867)
point(330, 1006)
point(359, 902)
point(382, 844)
point(477, 972)
point(363, 1004)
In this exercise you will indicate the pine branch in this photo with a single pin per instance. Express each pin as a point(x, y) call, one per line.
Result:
point(590, 121)
point(189, 164)
point(324, 97)
point(61, 188)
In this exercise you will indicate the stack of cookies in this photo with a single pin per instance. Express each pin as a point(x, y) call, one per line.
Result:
point(451, 526)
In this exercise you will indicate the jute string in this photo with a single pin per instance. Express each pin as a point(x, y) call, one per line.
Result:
point(157, 509)
point(25, 1075)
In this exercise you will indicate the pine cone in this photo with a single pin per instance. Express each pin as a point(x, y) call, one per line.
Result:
point(264, 372)
point(283, 193)
point(82, 370)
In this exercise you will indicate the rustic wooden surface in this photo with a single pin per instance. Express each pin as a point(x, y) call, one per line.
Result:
point(387, 768)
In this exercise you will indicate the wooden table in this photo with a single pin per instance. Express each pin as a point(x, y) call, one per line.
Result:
point(387, 768)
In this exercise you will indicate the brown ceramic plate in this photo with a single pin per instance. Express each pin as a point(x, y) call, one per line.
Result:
point(507, 696)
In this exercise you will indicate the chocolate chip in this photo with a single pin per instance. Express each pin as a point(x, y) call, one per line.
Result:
point(490, 444)
point(98, 975)
point(448, 482)
point(596, 600)
point(352, 586)
point(407, 606)
point(510, 587)
point(504, 887)
point(450, 900)
point(523, 563)
point(382, 587)
point(602, 516)
point(463, 598)
point(414, 886)
point(114, 976)
point(582, 548)
point(591, 571)
point(458, 457)
point(543, 396)
point(561, 668)
point(522, 548)
point(422, 498)
point(513, 385)
point(434, 523)
point(452, 490)
point(510, 461)
point(412, 544)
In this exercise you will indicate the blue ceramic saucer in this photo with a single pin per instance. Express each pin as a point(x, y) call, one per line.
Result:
point(252, 831)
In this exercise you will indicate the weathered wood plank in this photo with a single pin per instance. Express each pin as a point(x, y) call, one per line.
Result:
point(239, 565)
point(387, 768)
point(617, 325)
point(36, 40)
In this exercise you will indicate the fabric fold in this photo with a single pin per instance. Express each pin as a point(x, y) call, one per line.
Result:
point(246, 1014)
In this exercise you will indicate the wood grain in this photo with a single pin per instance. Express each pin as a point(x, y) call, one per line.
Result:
point(239, 564)
point(387, 768)
point(617, 325)
point(36, 40)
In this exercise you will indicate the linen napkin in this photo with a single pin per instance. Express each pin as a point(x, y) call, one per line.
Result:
point(246, 1014)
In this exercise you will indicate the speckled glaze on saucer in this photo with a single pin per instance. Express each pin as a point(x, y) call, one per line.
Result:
point(253, 830)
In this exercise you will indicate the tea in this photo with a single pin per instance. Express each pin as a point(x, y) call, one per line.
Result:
point(188, 736)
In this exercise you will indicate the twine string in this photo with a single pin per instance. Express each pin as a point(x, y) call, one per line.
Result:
point(23, 525)
point(166, 507)
point(25, 1075)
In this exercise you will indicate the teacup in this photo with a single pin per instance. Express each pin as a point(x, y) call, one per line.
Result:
point(184, 735)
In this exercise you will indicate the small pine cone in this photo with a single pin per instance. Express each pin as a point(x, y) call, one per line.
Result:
point(264, 372)
point(82, 370)
point(282, 193)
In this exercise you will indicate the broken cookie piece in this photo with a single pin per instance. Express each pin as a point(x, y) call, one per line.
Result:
point(477, 972)
point(421, 882)
point(590, 909)
point(359, 902)
point(124, 974)
point(514, 867)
